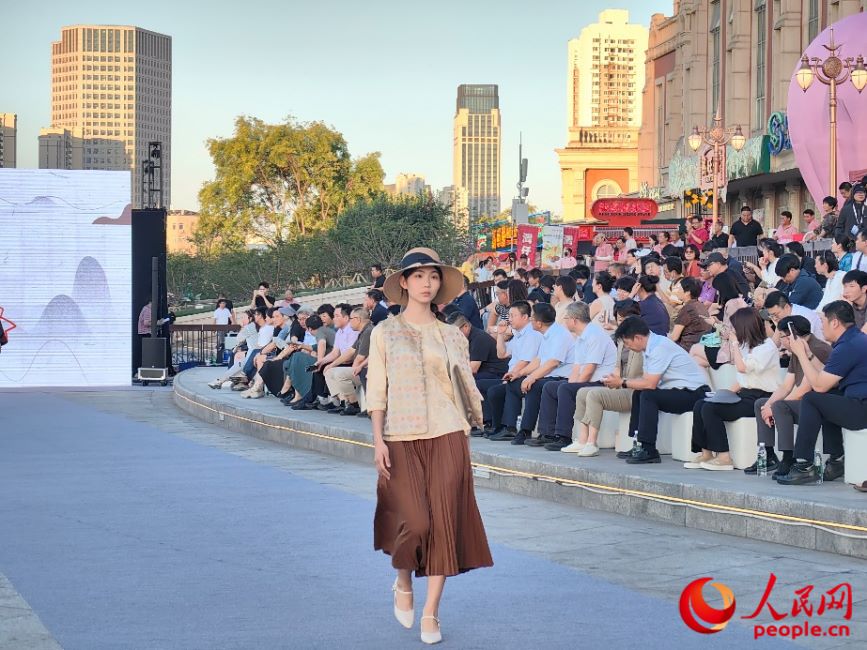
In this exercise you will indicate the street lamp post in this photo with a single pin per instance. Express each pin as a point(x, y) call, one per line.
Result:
point(832, 71)
point(717, 137)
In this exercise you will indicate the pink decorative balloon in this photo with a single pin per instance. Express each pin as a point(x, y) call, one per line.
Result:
point(809, 120)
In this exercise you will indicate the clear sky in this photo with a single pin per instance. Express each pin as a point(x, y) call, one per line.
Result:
point(384, 73)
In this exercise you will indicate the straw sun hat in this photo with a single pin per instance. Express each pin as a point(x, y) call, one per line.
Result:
point(452, 279)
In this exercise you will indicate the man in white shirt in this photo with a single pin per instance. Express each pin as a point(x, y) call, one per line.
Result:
point(264, 336)
point(672, 383)
point(520, 350)
point(859, 257)
point(552, 363)
point(594, 357)
point(779, 307)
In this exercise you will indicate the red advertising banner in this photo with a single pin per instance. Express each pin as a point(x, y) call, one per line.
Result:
point(570, 238)
point(528, 240)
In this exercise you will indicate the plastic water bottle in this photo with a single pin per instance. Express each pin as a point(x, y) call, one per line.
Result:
point(762, 461)
point(817, 463)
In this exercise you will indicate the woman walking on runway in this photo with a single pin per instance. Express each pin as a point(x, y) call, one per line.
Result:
point(422, 400)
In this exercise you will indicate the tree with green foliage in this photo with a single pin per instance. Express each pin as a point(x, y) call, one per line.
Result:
point(277, 181)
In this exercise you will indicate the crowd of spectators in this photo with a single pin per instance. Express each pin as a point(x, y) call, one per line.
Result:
point(637, 331)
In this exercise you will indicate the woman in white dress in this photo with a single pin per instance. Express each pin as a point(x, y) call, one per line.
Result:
point(827, 265)
point(602, 309)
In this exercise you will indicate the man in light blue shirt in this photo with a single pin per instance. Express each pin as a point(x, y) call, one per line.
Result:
point(520, 350)
point(672, 383)
point(595, 356)
point(552, 363)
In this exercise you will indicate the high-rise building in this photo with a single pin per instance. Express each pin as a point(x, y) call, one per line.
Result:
point(456, 200)
point(61, 148)
point(477, 139)
point(180, 228)
point(8, 136)
point(604, 80)
point(113, 85)
point(409, 185)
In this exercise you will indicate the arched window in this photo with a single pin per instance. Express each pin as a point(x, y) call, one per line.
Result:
point(607, 190)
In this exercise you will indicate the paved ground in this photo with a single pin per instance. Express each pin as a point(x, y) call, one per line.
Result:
point(125, 523)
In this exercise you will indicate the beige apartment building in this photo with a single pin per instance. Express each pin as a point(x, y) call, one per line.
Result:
point(8, 140)
point(407, 184)
point(477, 145)
point(61, 148)
point(180, 228)
point(605, 75)
point(736, 56)
point(111, 85)
point(457, 200)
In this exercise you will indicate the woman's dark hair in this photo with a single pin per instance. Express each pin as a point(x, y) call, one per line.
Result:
point(605, 280)
point(772, 245)
point(270, 311)
point(674, 264)
point(625, 283)
point(800, 324)
point(626, 308)
point(325, 308)
point(251, 314)
point(654, 239)
point(580, 272)
point(670, 250)
point(648, 283)
point(394, 310)
point(630, 328)
point(829, 259)
point(691, 286)
point(797, 248)
point(694, 249)
point(535, 273)
point(441, 317)
point(830, 201)
point(409, 272)
point(628, 231)
point(748, 326)
point(522, 274)
point(517, 290)
point(845, 242)
point(314, 322)
point(547, 281)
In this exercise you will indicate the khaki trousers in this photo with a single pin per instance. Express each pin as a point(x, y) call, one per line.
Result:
point(592, 401)
point(342, 383)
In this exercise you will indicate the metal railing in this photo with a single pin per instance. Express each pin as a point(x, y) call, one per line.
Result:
point(198, 345)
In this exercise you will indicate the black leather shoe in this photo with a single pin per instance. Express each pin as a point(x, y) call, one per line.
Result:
point(558, 443)
point(783, 468)
point(304, 406)
point(773, 463)
point(800, 474)
point(833, 469)
point(505, 433)
point(541, 441)
point(520, 437)
point(350, 409)
point(644, 457)
point(624, 454)
point(475, 432)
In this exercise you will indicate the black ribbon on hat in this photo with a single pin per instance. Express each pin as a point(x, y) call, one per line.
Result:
point(414, 259)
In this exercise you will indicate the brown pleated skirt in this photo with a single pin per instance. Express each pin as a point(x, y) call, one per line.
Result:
point(426, 517)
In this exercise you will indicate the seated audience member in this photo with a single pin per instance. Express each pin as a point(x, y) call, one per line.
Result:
point(602, 309)
point(691, 321)
point(781, 410)
point(672, 382)
point(466, 304)
point(624, 287)
point(828, 267)
point(796, 248)
point(264, 336)
point(855, 293)
point(859, 257)
point(552, 363)
point(691, 256)
point(757, 361)
point(373, 304)
point(246, 338)
point(846, 374)
point(326, 313)
point(487, 366)
point(534, 279)
point(708, 295)
point(594, 356)
point(563, 296)
point(261, 297)
point(306, 356)
point(377, 276)
point(279, 321)
point(499, 309)
point(583, 287)
point(714, 349)
point(800, 287)
point(766, 269)
point(340, 355)
point(653, 311)
point(288, 300)
point(672, 271)
point(521, 274)
point(547, 286)
point(591, 402)
point(343, 380)
point(273, 372)
point(520, 350)
point(728, 283)
point(779, 307)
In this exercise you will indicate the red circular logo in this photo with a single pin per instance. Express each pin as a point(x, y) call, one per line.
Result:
point(693, 606)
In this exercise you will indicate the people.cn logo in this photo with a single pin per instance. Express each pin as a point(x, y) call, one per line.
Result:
point(693, 607)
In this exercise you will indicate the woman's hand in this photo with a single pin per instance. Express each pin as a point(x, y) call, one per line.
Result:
point(382, 459)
